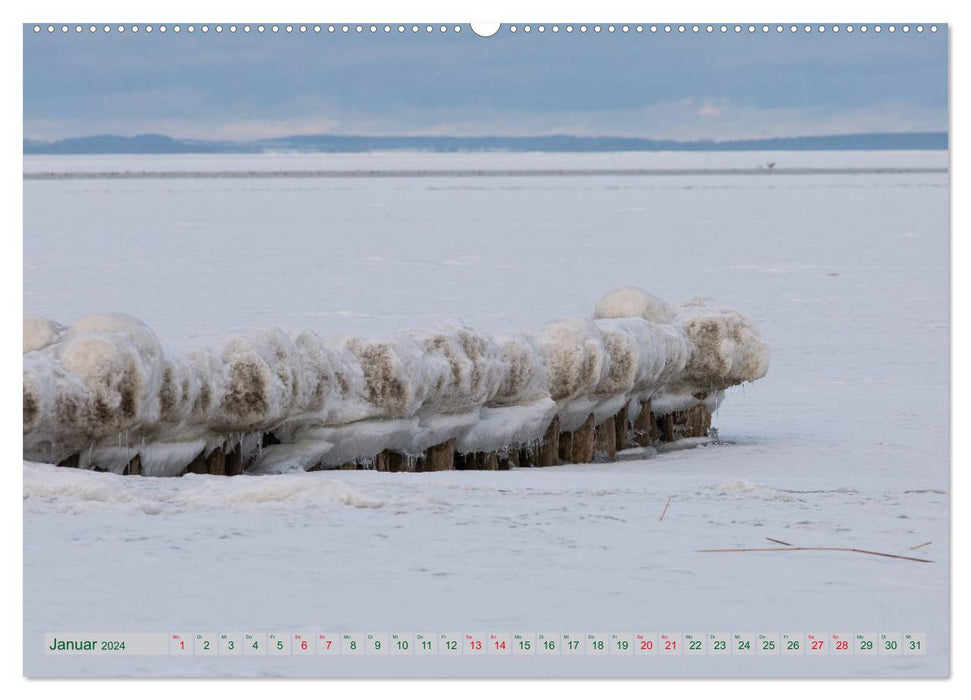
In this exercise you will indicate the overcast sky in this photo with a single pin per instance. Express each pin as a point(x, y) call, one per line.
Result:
point(685, 86)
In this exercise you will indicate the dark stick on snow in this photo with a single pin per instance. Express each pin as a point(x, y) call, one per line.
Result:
point(819, 549)
point(778, 541)
point(918, 546)
point(664, 512)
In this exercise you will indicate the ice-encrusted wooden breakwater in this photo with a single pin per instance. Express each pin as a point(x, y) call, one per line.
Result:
point(101, 394)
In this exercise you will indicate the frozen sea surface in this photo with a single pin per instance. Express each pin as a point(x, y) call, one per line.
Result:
point(843, 444)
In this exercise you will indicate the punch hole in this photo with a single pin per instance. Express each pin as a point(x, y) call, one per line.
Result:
point(484, 29)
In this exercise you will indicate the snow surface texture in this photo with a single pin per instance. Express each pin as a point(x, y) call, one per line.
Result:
point(103, 388)
point(843, 443)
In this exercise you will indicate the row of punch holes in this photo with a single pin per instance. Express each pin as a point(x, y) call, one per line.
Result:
point(486, 31)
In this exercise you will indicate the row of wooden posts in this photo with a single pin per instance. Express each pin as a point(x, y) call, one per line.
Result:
point(588, 443)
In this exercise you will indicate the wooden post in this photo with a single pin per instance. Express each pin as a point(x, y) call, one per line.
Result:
point(346, 466)
point(440, 458)
point(216, 462)
point(199, 465)
point(381, 461)
point(706, 421)
point(548, 453)
point(527, 457)
point(565, 448)
point(397, 462)
point(604, 437)
point(698, 421)
point(583, 442)
point(668, 427)
point(234, 460)
point(134, 466)
point(644, 425)
point(488, 461)
point(620, 428)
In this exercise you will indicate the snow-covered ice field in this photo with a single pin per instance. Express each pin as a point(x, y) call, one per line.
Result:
point(843, 444)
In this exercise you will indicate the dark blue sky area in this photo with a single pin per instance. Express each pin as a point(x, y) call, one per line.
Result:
point(641, 84)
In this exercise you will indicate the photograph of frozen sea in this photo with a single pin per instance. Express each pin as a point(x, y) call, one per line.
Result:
point(555, 353)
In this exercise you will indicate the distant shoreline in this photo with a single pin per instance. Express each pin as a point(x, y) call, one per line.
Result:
point(155, 144)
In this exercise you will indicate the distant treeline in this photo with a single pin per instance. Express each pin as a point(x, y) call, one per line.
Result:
point(154, 143)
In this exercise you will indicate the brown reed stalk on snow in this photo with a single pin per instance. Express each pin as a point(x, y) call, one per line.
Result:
point(818, 549)
point(664, 512)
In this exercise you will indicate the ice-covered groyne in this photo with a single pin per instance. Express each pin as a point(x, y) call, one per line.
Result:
point(101, 393)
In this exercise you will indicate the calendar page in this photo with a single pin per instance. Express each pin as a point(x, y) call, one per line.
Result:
point(513, 350)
